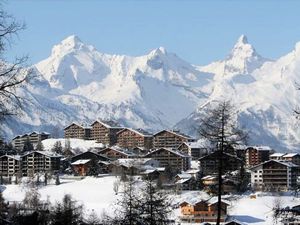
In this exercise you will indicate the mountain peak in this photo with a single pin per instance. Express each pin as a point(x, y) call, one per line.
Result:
point(159, 51)
point(72, 41)
point(242, 40)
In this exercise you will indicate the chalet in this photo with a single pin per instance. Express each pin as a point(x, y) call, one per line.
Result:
point(257, 154)
point(82, 166)
point(292, 157)
point(185, 181)
point(75, 130)
point(87, 163)
point(34, 138)
point(134, 166)
point(170, 139)
point(202, 210)
point(40, 161)
point(209, 164)
point(170, 158)
point(277, 156)
point(116, 152)
point(274, 175)
point(105, 132)
point(194, 149)
point(10, 165)
point(130, 139)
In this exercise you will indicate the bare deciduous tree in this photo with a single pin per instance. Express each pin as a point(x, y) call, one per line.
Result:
point(12, 75)
point(221, 130)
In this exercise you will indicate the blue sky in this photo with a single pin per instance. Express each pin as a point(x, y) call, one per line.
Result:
point(198, 31)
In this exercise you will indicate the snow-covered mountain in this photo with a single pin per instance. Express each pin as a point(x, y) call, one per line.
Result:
point(154, 91)
point(263, 92)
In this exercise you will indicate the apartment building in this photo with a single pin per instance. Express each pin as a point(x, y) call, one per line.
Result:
point(34, 138)
point(105, 132)
point(10, 165)
point(274, 175)
point(75, 130)
point(168, 157)
point(130, 139)
point(257, 154)
point(40, 161)
point(170, 139)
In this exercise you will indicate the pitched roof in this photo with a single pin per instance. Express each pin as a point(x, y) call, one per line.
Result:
point(120, 150)
point(225, 153)
point(15, 157)
point(137, 131)
point(285, 163)
point(181, 154)
point(108, 123)
point(74, 123)
point(261, 148)
point(81, 162)
point(277, 154)
point(46, 153)
point(288, 155)
point(176, 132)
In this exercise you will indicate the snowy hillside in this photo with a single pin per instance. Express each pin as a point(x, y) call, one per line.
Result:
point(154, 91)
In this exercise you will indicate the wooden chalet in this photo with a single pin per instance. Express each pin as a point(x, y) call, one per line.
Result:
point(89, 163)
point(116, 152)
point(10, 165)
point(292, 157)
point(209, 164)
point(170, 158)
point(130, 139)
point(203, 210)
point(170, 139)
point(105, 132)
point(40, 161)
point(75, 130)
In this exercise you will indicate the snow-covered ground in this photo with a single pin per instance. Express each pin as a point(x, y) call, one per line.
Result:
point(78, 145)
point(97, 194)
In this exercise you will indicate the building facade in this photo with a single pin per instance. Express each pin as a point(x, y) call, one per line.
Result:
point(77, 131)
point(170, 158)
point(209, 164)
point(202, 211)
point(257, 155)
point(274, 175)
point(115, 152)
point(34, 138)
point(130, 139)
point(105, 132)
point(10, 165)
point(170, 139)
point(40, 162)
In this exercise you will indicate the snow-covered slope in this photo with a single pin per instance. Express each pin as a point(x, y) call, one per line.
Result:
point(78, 83)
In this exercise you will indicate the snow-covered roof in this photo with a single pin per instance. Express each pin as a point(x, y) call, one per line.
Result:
point(285, 163)
point(182, 181)
point(289, 155)
point(45, 153)
point(29, 134)
point(15, 157)
point(261, 148)
point(209, 177)
point(176, 132)
point(170, 150)
point(277, 154)
point(109, 124)
point(207, 199)
point(184, 175)
point(140, 132)
point(120, 150)
point(81, 162)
